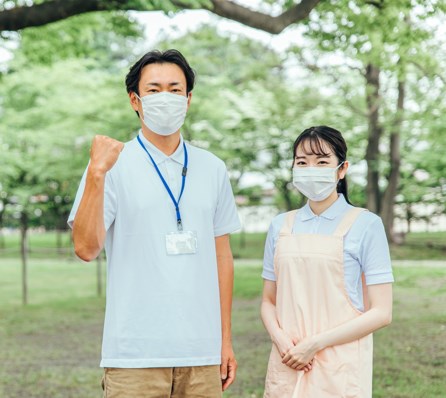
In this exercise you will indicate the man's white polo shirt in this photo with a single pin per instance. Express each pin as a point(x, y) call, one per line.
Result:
point(163, 310)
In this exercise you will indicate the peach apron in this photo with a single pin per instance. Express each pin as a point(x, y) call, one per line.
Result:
point(311, 298)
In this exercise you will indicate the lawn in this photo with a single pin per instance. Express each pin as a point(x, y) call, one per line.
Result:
point(51, 348)
point(418, 246)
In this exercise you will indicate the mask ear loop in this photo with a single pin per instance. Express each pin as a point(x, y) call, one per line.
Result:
point(339, 179)
point(140, 100)
point(340, 164)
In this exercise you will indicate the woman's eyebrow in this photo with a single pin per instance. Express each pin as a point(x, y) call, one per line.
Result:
point(317, 156)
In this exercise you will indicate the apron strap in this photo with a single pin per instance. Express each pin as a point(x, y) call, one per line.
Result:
point(342, 229)
point(287, 226)
point(348, 220)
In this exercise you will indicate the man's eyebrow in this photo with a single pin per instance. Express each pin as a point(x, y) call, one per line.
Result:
point(159, 84)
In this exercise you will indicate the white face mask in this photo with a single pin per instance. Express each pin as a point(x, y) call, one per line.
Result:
point(164, 112)
point(316, 183)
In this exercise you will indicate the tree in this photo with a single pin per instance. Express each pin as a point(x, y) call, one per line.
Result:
point(48, 120)
point(246, 111)
point(382, 41)
point(40, 13)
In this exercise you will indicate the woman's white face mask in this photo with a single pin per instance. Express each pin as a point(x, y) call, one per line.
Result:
point(316, 183)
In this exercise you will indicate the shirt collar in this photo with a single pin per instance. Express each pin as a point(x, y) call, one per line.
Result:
point(331, 213)
point(160, 157)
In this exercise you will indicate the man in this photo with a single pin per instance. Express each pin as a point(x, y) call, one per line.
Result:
point(163, 209)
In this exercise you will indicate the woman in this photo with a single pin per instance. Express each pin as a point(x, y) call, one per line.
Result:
point(327, 281)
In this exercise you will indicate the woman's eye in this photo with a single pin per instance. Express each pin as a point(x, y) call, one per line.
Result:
point(300, 163)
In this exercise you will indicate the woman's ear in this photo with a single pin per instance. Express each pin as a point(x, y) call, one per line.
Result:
point(343, 169)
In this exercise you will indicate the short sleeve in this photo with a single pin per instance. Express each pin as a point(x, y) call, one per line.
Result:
point(226, 218)
point(110, 202)
point(268, 255)
point(374, 255)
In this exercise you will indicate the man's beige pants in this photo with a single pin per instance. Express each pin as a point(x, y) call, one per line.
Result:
point(183, 382)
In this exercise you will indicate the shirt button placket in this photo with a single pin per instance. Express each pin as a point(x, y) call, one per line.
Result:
point(317, 223)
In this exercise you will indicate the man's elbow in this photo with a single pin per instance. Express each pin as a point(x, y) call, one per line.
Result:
point(85, 253)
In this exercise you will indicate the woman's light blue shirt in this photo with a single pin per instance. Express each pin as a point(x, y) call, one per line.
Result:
point(365, 245)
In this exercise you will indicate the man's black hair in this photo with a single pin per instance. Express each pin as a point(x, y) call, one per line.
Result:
point(157, 57)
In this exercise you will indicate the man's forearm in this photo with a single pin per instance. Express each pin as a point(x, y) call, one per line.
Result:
point(225, 266)
point(88, 227)
point(226, 283)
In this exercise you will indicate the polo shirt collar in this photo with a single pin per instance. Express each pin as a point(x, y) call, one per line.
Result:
point(336, 209)
point(160, 157)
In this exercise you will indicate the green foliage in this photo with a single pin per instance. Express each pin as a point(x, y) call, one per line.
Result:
point(49, 122)
point(248, 110)
point(400, 38)
point(63, 86)
point(101, 36)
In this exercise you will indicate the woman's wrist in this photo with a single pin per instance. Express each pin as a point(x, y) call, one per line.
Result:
point(319, 342)
point(276, 334)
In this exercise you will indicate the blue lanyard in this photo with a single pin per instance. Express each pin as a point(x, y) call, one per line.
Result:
point(183, 175)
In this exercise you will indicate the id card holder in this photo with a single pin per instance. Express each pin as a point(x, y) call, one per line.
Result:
point(181, 242)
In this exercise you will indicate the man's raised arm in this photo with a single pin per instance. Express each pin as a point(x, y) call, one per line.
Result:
point(88, 227)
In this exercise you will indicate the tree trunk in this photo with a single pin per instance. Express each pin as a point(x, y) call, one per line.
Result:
point(286, 194)
point(99, 283)
point(59, 241)
point(2, 237)
point(24, 255)
point(374, 136)
point(409, 216)
point(388, 204)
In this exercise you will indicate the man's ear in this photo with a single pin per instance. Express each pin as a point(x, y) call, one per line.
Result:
point(189, 99)
point(134, 101)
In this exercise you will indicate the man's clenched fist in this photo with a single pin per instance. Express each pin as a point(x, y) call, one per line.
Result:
point(104, 153)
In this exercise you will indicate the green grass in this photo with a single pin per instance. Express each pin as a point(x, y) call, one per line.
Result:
point(439, 236)
point(248, 245)
point(38, 240)
point(41, 245)
point(247, 281)
point(51, 348)
point(251, 246)
point(418, 246)
point(48, 280)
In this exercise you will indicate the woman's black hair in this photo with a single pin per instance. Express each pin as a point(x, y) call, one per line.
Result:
point(157, 57)
point(318, 135)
